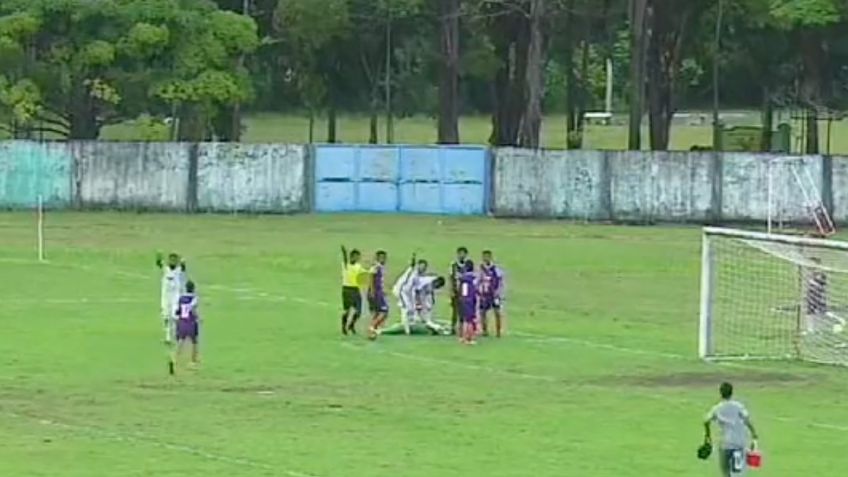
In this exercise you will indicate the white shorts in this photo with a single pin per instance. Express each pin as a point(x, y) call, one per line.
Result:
point(169, 307)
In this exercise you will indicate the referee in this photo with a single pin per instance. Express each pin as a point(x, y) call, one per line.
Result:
point(352, 270)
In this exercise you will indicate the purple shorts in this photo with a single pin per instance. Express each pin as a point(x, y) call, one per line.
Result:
point(490, 303)
point(378, 304)
point(468, 311)
point(187, 330)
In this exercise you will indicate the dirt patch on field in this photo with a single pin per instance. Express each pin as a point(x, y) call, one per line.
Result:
point(709, 379)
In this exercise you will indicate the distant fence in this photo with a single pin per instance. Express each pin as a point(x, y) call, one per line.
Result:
point(628, 186)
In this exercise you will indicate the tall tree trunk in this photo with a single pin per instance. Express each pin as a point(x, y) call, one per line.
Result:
point(331, 124)
point(83, 118)
point(638, 40)
point(449, 74)
point(570, 77)
point(812, 131)
point(510, 34)
point(531, 124)
point(767, 120)
point(813, 57)
point(373, 124)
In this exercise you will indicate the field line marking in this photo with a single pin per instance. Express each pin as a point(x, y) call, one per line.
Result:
point(137, 439)
point(547, 378)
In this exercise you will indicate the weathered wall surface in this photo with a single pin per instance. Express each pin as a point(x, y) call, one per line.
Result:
point(627, 186)
point(31, 169)
point(660, 186)
point(151, 176)
point(560, 184)
point(251, 178)
point(840, 188)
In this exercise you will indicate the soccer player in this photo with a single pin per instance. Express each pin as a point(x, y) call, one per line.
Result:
point(460, 266)
point(404, 291)
point(173, 281)
point(735, 424)
point(377, 302)
point(188, 326)
point(425, 302)
point(491, 282)
point(467, 304)
point(815, 296)
point(352, 272)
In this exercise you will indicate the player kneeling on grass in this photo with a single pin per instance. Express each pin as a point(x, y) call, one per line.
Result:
point(736, 427)
point(188, 326)
point(491, 293)
point(173, 281)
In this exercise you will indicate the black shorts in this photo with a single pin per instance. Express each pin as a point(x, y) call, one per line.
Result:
point(351, 299)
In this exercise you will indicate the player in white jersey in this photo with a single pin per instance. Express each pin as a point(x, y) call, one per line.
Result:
point(736, 429)
point(173, 286)
point(425, 302)
point(404, 290)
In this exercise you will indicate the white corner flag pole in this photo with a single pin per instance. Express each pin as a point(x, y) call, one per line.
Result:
point(40, 229)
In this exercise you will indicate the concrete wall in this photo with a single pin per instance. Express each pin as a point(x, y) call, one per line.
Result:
point(255, 178)
point(647, 187)
point(449, 180)
point(131, 175)
point(628, 186)
point(30, 169)
point(558, 184)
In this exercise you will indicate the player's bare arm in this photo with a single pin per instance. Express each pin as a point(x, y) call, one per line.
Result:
point(754, 436)
point(344, 256)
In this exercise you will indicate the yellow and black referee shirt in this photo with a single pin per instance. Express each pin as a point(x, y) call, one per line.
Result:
point(351, 274)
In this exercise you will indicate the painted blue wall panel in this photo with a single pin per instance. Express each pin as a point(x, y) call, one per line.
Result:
point(435, 180)
point(464, 165)
point(335, 197)
point(378, 164)
point(463, 199)
point(377, 197)
point(30, 169)
point(421, 197)
point(420, 164)
point(335, 163)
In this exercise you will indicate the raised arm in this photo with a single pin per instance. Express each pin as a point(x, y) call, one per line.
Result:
point(160, 261)
point(344, 256)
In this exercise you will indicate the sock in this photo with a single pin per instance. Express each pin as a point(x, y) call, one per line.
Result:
point(352, 325)
point(344, 323)
point(168, 331)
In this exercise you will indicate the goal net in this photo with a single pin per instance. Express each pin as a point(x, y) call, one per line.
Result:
point(768, 296)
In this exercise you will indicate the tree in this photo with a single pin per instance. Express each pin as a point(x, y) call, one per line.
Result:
point(449, 73)
point(672, 25)
point(86, 64)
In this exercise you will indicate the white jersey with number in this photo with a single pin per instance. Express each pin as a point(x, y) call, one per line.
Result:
point(173, 284)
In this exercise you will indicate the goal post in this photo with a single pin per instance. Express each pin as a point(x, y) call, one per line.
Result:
point(770, 296)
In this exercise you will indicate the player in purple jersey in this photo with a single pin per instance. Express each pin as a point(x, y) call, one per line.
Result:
point(491, 288)
point(377, 301)
point(458, 267)
point(188, 326)
point(467, 305)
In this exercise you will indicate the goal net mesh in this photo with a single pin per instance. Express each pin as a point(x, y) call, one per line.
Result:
point(774, 297)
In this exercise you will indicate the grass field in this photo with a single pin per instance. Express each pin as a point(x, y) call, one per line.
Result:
point(353, 129)
point(597, 378)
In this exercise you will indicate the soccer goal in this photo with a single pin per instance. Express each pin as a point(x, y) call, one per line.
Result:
point(769, 296)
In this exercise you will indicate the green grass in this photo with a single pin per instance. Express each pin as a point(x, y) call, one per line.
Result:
point(597, 378)
point(354, 129)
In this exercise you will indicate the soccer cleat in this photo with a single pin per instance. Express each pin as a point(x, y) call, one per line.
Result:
point(171, 367)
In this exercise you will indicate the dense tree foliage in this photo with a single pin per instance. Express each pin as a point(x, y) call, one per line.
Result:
point(72, 66)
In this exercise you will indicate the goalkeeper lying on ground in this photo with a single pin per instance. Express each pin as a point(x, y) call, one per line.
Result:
point(416, 293)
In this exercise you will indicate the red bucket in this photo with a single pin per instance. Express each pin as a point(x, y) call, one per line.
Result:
point(754, 459)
